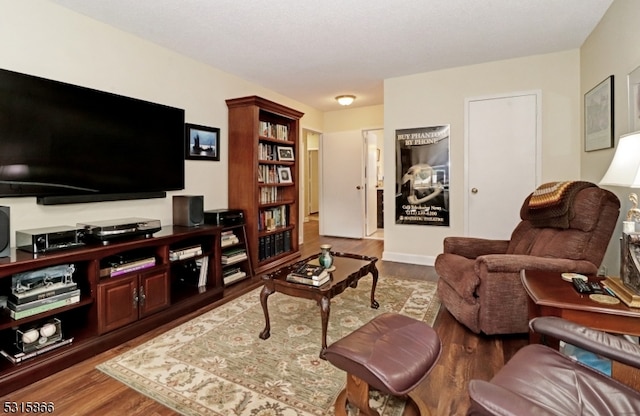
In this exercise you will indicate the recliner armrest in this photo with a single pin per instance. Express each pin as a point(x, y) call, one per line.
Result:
point(609, 346)
point(471, 247)
point(514, 263)
point(496, 400)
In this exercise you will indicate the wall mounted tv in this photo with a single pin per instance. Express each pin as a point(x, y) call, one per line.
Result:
point(64, 143)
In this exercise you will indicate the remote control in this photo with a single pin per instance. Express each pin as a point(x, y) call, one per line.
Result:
point(581, 286)
point(595, 288)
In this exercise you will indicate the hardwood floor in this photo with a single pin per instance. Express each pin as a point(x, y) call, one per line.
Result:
point(83, 390)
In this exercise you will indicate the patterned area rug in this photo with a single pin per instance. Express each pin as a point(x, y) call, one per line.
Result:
point(216, 364)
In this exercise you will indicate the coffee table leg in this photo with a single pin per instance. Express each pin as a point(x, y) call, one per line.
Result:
point(325, 308)
point(374, 276)
point(264, 294)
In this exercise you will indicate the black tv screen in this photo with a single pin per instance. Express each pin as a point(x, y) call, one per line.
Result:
point(58, 139)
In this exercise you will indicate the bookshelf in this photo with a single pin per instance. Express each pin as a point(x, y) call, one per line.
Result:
point(263, 177)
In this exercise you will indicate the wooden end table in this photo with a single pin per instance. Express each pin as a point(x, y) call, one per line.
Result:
point(349, 269)
point(549, 295)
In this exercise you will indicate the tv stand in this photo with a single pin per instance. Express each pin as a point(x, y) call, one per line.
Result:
point(111, 310)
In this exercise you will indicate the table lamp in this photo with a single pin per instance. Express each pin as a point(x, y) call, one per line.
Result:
point(625, 171)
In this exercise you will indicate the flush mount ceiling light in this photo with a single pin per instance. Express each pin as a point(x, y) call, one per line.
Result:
point(345, 99)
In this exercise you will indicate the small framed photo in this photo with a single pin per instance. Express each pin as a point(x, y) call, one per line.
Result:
point(598, 116)
point(202, 142)
point(284, 174)
point(285, 153)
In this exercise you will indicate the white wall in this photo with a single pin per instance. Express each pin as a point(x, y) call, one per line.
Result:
point(43, 39)
point(611, 49)
point(436, 98)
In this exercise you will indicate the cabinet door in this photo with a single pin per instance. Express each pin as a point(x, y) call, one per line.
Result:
point(117, 303)
point(153, 292)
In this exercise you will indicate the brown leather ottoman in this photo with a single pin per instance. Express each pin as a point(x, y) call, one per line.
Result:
point(391, 353)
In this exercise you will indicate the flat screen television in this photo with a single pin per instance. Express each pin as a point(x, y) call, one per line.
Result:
point(64, 143)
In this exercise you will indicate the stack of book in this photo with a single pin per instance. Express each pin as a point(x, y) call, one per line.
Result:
point(232, 275)
point(42, 299)
point(228, 239)
point(233, 256)
point(118, 268)
point(185, 253)
point(309, 274)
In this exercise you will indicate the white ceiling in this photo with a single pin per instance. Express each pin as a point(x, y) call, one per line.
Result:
point(314, 50)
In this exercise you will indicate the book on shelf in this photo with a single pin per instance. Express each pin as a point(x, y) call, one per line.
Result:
point(307, 281)
point(16, 356)
point(185, 253)
point(117, 269)
point(228, 238)
point(233, 256)
point(273, 130)
point(234, 277)
point(41, 293)
point(44, 308)
point(19, 307)
point(203, 265)
point(310, 271)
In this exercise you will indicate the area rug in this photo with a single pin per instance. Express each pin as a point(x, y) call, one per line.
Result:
point(217, 365)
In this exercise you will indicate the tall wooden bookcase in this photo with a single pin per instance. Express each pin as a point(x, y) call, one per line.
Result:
point(264, 178)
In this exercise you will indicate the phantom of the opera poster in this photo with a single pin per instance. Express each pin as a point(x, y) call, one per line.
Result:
point(422, 176)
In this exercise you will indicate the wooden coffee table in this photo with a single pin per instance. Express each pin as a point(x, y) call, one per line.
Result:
point(349, 269)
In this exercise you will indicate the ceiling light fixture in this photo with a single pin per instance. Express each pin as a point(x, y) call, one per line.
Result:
point(345, 99)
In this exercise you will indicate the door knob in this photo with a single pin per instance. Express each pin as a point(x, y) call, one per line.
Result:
point(358, 187)
point(474, 190)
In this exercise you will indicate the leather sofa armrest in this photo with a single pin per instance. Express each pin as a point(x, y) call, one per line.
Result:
point(609, 346)
point(514, 263)
point(471, 247)
point(487, 398)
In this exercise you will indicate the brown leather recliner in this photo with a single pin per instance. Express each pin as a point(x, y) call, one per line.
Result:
point(479, 279)
point(539, 380)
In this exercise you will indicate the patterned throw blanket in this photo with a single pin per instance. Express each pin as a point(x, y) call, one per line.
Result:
point(550, 205)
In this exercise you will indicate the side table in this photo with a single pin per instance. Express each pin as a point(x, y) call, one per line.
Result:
point(549, 295)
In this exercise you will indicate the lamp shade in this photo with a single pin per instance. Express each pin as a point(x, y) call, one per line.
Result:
point(625, 166)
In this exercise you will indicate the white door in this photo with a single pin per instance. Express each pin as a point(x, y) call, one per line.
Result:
point(503, 161)
point(341, 185)
point(371, 180)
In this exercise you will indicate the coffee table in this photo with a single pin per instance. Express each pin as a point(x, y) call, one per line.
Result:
point(349, 268)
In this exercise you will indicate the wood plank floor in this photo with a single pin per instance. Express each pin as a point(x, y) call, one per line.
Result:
point(83, 390)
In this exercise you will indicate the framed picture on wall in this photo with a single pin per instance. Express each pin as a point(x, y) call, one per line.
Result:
point(633, 85)
point(202, 142)
point(598, 116)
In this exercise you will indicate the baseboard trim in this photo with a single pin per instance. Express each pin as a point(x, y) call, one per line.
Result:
point(408, 258)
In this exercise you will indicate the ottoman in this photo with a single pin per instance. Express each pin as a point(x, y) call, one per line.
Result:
point(392, 353)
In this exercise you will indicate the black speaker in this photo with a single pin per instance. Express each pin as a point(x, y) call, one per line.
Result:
point(188, 210)
point(5, 240)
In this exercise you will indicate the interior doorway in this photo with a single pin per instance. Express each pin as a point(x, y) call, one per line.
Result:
point(374, 178)
point(343, 177)
point(311, 180)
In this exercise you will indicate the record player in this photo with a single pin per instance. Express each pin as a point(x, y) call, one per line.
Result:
point(108, 230)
